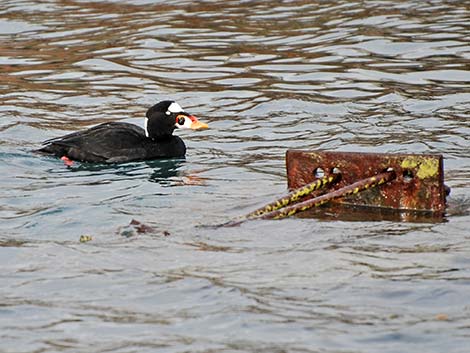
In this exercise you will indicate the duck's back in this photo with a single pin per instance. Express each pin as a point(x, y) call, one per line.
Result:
point(112, 143)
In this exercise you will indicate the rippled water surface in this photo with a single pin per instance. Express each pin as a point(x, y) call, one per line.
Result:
point(379, 76)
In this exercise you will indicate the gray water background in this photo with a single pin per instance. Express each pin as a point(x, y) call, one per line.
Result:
point(376, 76)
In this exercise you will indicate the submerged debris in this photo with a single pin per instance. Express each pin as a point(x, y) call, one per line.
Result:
point(136, 227)
point(85, 238)
point(442, 317)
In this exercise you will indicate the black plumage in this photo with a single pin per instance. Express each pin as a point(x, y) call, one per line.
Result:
point(117, 142)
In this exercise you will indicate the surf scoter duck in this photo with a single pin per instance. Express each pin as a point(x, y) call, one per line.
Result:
point(118, 142)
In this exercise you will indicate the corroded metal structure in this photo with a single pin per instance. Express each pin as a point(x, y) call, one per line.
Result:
point(418, 184)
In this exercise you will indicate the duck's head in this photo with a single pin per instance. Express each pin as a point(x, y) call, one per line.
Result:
point(166, 116)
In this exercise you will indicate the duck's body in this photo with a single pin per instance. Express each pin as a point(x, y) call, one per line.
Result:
point(114, 143)
point(118, 142)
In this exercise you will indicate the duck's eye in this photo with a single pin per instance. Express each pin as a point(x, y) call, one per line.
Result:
point(180, 121)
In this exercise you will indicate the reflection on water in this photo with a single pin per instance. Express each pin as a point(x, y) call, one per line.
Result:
point(158, 171)
point(164, 172)
point(360, 214)
point(380, 76)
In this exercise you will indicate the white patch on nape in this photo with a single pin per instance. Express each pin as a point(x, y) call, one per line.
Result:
point(174, 108)
point(145, 127)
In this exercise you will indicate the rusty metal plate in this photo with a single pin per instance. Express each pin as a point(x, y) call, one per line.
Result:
point(418, 186)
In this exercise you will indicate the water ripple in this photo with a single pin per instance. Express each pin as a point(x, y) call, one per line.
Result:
point(382, 76)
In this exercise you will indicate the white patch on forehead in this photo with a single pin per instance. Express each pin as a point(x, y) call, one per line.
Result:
point(175, 108)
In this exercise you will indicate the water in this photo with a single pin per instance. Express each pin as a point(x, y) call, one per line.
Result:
point(383, 76)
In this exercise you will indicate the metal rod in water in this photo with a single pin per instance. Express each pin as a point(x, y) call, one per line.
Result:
point(351, 189)
point(295, 195)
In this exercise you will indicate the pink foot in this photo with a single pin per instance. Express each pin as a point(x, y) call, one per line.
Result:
point(68, 162)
